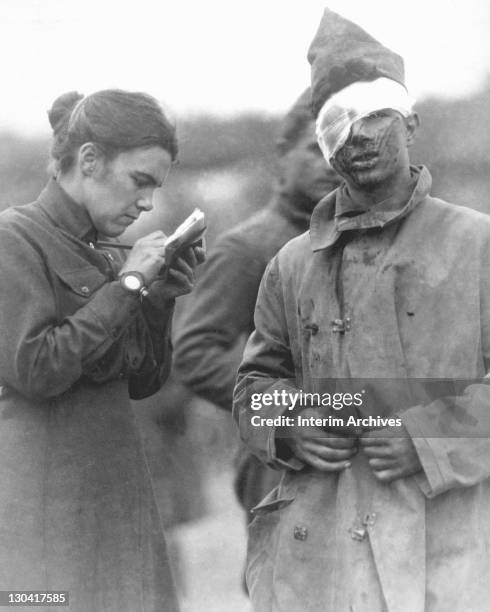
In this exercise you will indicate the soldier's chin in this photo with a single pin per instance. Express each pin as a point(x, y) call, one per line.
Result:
point(367, 179)
point(360, 174)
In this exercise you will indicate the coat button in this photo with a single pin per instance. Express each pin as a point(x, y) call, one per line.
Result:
point(85, 289)
point(369, 519)
point(313, 328)
point(358, 534)
point(300, 533)
point(340, 326)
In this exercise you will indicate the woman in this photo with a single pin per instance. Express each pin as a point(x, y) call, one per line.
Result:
point(82, 331)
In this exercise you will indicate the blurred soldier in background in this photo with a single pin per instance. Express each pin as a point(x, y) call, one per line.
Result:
point(171, 452)
point(215, 325)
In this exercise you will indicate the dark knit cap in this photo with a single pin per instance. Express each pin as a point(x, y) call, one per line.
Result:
point(342, 53)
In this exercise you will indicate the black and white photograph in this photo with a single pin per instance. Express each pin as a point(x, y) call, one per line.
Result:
point(245, 306)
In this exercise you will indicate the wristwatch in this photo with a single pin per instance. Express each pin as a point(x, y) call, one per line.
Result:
point(134, 282)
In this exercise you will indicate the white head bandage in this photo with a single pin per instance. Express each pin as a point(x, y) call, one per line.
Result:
point(354, 102)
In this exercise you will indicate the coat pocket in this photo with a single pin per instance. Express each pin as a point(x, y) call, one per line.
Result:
point(83, 281)
point(272, 502)
point(75, 287)
point(263, 536)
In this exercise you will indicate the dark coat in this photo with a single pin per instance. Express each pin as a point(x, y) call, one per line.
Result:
point(77, 511)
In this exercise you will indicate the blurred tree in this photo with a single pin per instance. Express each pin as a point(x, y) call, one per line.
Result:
point(23, 164)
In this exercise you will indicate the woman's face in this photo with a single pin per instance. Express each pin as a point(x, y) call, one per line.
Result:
point(120, 189)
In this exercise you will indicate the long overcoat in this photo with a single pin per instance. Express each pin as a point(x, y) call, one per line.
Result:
point(77, 510)
point(394, 303)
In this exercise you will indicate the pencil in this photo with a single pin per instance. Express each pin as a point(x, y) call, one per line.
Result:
point(114, 245)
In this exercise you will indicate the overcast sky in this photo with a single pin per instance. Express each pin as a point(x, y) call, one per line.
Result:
point(221, 56)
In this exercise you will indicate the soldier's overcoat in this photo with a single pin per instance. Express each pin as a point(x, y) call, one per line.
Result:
point(394, 301)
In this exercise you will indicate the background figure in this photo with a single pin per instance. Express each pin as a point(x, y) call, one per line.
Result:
point(77, 510)
point(215, 325)
point(165, 424)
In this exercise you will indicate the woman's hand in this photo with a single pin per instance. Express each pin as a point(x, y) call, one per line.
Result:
point(147, 257)
point(179, 279)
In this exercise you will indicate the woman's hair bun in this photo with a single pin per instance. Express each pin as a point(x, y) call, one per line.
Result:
point(60, 111)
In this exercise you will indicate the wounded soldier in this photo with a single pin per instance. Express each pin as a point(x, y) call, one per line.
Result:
point(387, 295)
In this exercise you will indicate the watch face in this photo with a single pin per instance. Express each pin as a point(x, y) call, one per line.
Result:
point(132, 282)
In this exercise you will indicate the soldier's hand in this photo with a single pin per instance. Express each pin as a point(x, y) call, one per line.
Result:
point(327, 452)
point(390, 456)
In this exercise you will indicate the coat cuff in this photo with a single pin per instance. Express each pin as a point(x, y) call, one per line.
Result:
point(292, 463)
point(262, 439)
point(158, 317)
point(430, 447)
point(113, 307)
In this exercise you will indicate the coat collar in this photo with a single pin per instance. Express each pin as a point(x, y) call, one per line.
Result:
point(328, 220)
point(65, 213)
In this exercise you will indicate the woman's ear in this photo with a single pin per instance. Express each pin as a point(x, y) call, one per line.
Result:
point(412, 122)
point(88, 158)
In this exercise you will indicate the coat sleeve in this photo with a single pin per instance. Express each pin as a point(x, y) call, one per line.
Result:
point(452, 434)
point(41, 356)
point(267, 367)
point(156, 365)
point(218, 318)
point(452, 439)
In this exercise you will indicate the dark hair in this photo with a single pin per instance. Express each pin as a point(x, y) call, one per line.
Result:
point(113, 119)
point(294, 124)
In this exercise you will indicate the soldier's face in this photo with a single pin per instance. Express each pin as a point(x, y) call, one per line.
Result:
point(375, 151)
point(304, 170)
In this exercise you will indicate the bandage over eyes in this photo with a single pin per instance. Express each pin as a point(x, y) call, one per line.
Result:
point(355, 102)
